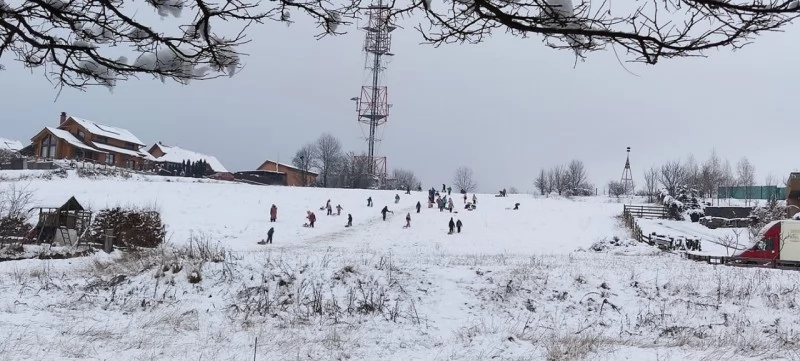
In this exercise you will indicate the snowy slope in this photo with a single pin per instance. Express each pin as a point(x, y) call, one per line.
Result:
point(511, 286)
point(237, 215)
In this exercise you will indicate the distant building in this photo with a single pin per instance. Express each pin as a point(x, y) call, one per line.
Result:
point(295, 177)
point(165, 155)
point(81, 139)
point(10, 145)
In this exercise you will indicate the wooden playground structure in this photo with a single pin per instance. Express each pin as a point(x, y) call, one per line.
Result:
point(64, 225)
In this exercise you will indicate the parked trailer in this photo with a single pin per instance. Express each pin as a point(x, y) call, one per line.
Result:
point(777, 245)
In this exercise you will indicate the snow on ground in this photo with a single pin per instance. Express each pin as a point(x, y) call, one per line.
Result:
point(512, 286)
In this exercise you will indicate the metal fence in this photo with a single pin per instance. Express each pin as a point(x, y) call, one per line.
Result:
point(754, 192)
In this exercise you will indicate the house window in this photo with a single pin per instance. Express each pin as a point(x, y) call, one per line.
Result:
point(131, 146)
point(48, 147)
point(100, 139)
point(110, 159)
point(81, 135)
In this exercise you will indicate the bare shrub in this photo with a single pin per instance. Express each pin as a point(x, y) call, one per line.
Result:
point(463, 178)
point(15, 212)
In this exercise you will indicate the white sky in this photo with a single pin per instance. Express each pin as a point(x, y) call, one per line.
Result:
point(507, 107)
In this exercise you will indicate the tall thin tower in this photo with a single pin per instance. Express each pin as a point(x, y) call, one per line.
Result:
point(373, 103)
point(627, 176)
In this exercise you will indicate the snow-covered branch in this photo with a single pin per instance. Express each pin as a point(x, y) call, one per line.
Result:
point(79, 43)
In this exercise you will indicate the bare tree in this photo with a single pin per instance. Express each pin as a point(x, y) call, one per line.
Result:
point(692, 171)
point(541, 182)
point(328, 155)
point(710, 175)
point(72, 39)
point(303, 160)
point(355, 170)
point(672, 176)
point(79, 43)
point(616, 188)
point(463, 179)
point(513, 190)
point(405, 179)
point(727, 179)
point(558, 179)
point(651, 182)
point(746, 177)
point(647, 31)
point(576, 177)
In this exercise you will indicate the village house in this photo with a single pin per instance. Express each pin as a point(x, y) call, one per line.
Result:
point(294, 176)
point(81, 139)
point(165, 155)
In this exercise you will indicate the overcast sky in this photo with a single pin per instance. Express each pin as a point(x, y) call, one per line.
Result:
point(506, 108)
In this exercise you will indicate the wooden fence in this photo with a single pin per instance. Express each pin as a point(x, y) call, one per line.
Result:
point(631, 212)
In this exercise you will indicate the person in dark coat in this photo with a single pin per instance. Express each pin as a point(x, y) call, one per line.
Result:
point(349, 220)
point(311, 219)
point(384, 211)
point(516, 206)
point(419, 206)
point(273, 213)
point(444, 189)
point(269, 234)
point(369, 202)
point(408, 221)
point(451, 225)
point(458, 225)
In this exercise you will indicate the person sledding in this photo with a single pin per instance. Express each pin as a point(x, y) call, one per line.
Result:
point(312, 218)
point(516, 206)
point(349, 220)
point(273, 214)
point(269, 236)
point(451, 225)
point(419, 206)
point(384, 211)
point(339, 209)
point(408, 221)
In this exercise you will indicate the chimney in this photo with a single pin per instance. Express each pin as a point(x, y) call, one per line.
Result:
point(63, 118)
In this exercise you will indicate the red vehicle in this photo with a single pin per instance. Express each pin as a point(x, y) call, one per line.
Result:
point(778, 240)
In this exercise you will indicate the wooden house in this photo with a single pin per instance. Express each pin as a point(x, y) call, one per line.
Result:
point(294, 176)
point(81, 139)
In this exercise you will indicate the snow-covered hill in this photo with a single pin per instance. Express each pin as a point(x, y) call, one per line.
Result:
point(512, 286)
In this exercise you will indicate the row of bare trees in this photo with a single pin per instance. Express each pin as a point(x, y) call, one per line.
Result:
point(704, 179)
point(570, 179)
point(340, 169)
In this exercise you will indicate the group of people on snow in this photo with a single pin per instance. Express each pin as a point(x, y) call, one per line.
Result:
point(443, 200)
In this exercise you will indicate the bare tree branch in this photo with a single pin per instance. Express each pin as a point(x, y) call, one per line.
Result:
point(80, 43)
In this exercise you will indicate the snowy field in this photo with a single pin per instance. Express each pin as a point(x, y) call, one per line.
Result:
point(514, 285)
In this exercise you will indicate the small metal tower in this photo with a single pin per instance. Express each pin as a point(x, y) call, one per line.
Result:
point(627, 176)
point(373, 103)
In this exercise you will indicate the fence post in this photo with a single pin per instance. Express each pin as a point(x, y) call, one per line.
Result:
point(108, 245)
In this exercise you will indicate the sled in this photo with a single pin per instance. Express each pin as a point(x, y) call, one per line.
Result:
point(262, 242)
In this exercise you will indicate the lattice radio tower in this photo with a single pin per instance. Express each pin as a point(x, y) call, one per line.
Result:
point(373, 103)
point(627, 176)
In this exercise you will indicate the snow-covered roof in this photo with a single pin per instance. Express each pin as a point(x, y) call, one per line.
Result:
point(107, 131)
point(175, 154)
point(114, 149)
point(69, 138)
point(8, 144)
